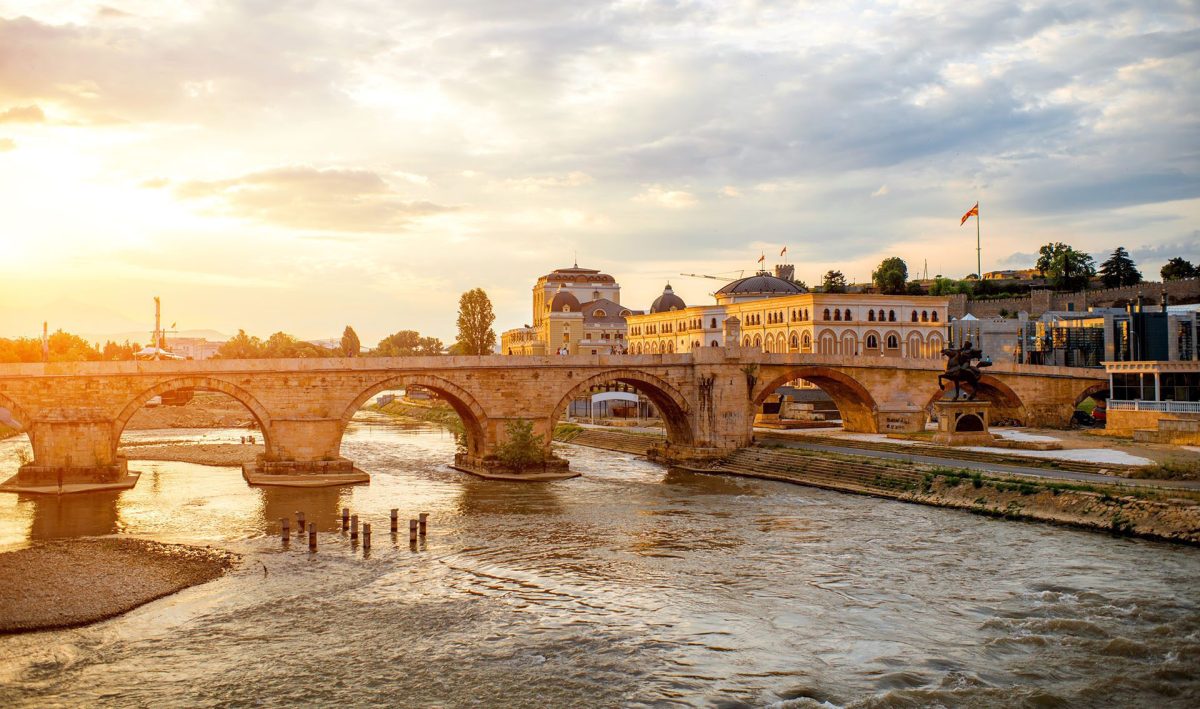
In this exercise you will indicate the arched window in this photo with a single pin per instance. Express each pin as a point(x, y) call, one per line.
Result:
point(892, 342)
point(891, 316)
point(882, 317)
point(599, 313)
point(625, 313)
point(807, 341)
point(871, 315)
point(872, 342)
point(595, 295)
point(713, 344)
point(566, 308)
point(653, 348)
point(933, 316)
point(826, 313)
point(837, 314)
point(671, 347)
point(758, 341)
point(924, 316)
point(914, 316)
point(714, 324)
point(846, 315)
point(746, 342)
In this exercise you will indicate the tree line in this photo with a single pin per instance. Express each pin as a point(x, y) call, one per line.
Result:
point(63, 347)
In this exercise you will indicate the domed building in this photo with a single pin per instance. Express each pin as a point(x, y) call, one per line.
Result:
point(771, 312)
point(667, 302)
point(575, 311)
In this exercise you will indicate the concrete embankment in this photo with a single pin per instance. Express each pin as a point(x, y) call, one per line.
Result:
point(1171, 515)
point(66, 583)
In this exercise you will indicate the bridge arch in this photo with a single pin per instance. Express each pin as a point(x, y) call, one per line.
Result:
point(1007, 406)
point(671, 405)
point(243, 397)
point(19, 415)
point(1090, 390)
point(854, 402)
point(473, 417)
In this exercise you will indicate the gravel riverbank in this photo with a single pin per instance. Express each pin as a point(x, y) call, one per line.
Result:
point(66, 583)
point(234, 454)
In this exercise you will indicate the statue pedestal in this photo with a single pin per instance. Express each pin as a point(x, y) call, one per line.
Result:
point(962, 423)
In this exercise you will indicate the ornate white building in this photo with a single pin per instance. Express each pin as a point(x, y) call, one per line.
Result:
point(775, 315)
point(576, 310)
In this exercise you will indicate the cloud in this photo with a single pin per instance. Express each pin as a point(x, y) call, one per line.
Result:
point(882, 191)
point(7, 144)
point(671, 199)
point(537, 184)
point(338, 200)
point(23, 114)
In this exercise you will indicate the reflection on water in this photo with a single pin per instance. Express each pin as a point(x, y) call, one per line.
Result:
point(632, 585)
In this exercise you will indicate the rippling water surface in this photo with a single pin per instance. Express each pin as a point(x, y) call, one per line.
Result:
point(630, 586)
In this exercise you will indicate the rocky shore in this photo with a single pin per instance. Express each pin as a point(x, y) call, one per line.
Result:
point(224, 454)
point(66, 583)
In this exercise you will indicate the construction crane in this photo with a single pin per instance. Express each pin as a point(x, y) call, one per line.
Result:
point(715, 278)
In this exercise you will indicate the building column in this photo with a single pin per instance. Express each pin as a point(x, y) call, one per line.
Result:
point(1157, 388)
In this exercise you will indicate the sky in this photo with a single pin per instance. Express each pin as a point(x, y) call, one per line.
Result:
point(303, 165)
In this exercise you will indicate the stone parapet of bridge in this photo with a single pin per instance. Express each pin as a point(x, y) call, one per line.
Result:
point(76, 412)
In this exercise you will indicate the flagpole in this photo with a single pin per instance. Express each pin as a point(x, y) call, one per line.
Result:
point(978, 252)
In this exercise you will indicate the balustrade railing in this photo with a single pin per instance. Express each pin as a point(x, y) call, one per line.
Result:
point(1168, 407)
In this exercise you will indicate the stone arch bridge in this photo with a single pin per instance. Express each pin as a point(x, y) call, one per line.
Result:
point(75, 413)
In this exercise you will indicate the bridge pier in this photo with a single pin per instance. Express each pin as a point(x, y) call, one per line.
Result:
point(72, 456)
point(303, 453)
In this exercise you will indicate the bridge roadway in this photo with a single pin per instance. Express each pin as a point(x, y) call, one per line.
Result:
point(75, 413)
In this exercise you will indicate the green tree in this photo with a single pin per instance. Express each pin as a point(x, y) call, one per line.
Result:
point(114, 352)
point(475, 318)
point(1066, 268)
point(241, 346)
point(1119, 270)
point(350, 344)
point(833, 282)
point(407, 343)
point(522, 447)
point(914, 288)
point(891, 276)
point(1177, 269)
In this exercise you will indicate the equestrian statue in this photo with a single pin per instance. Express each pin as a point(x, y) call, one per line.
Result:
point(960, 370)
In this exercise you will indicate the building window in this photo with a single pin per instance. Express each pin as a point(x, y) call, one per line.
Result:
point(882, 318)
point(826, 314)
point(846, 315)
point(914, 316)
point(933, 316)
point(891, 316)
point(714, 324)
point(892, 342)
point(595, 296)
point(872, 342)
point(924, 316)
point(714, 344)
point(871, 315)
point(599, 313)
point(625, 313)
point(837, 314)
point(795, 341)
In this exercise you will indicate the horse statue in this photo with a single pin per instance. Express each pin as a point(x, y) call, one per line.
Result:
point(960, 370)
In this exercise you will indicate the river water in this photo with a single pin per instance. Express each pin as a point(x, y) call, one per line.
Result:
point(630, 586)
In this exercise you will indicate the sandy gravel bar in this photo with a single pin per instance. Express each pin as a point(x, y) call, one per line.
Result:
point(233, 454)
point(71, 582)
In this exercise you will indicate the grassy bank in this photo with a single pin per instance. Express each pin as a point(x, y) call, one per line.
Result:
point(438, 413)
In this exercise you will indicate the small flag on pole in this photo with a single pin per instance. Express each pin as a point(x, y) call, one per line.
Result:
point(762, 259)
point(783, 253)
point(972, 212)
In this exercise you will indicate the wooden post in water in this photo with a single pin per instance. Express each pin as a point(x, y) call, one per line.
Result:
point(285, 528)
point(312, 536)
point(412, 530)
point(300, 521)
point(345, 518)
point(353, 527)
point(366, 535)
point(424, 518)
point(395, 520)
